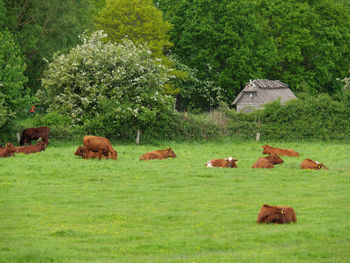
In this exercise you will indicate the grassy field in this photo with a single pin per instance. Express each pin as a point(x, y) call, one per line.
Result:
point(57, 207)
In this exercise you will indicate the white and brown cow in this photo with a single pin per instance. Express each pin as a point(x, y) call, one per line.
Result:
point(227, 162)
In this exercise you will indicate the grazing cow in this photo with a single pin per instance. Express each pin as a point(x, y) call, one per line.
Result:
point(40, 146)
point(268, 161)
point(8, 151)
point(310, 164)
point(101, 145)
point(276, 214)
point(287, 152)
point(227, 162)
point(34, 134)
point(158, 154)
point(86, 154)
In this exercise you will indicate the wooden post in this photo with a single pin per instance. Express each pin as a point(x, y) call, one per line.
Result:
point(138, 137)
point(257, 138)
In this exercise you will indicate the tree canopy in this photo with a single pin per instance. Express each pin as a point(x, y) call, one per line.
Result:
point(139, 20)
point(13, 94)
point(302, 43)
point(42, 28)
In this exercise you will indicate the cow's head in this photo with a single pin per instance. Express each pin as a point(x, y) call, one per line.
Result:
point(41, 145)
point(10, 147)
point(275, 159)
point(169, 153)
point(79, 151)
point(324, 167)
point(266, 149)
point(230, 162)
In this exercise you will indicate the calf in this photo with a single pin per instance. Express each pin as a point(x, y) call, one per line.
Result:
point(8, 151)
point(227, 162)
point(101, 145)
point(158, 154)
point(268, 161)
point(287, 152)
point(310, 164)
point(276, 214)
point(86, 154)
point(40, 146)
point(30, 134)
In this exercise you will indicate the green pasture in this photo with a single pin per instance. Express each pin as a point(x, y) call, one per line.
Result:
point(57, 207)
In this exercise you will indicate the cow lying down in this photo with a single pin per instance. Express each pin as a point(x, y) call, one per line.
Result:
point(271, 150)
point(227, 162)
point(86, 154)
point(268, 161)
point(40, 146)
point(276, 214)
point(158, 154)
point(310, 164)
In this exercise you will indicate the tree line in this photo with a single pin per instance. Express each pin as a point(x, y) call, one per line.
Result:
point(209, 48)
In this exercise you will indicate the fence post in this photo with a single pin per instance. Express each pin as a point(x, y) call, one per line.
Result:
point(138, 137)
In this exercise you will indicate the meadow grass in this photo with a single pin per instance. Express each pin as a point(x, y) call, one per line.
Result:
point(57, 207)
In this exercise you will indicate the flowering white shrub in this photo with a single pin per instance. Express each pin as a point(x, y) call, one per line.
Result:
point(104, 85)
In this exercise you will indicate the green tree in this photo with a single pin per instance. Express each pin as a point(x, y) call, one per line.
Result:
point(13, 95)
point(109, 88)
point(43, 27)
point(303, 43)
point(311, 50)
point(139, 20)
point(222, 41)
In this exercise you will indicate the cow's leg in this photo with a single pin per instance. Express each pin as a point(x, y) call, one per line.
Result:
point(100, 154)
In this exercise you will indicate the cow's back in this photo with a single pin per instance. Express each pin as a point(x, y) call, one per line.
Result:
point(272, 214)
point(99, 144)
point(263, 162)
point(96, 143)
point(310, 164)
point(151, 156)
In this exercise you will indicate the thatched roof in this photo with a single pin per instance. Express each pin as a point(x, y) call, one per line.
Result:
point(267, 91)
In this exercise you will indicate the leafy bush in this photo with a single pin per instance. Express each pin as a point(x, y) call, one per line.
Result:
point(108, 88)
point(14, 98)
point(311, 118)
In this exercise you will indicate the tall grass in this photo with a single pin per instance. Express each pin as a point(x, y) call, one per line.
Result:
point(57, 207)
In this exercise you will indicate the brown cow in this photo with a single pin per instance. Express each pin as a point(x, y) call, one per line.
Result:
point(268, 161)
point(86, 154)
point(310, 164)
point(287, 152)
point(227, 162)
point(276, 214)
point(34, 134)
point(158, 154)
point(101, 145)
point(40, 146)
point(8, 151)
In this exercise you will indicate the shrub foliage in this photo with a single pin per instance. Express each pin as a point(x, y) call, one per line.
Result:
point(308, 118)
point(112, 89)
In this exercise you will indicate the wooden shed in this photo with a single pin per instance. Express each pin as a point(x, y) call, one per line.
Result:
point(261, 91)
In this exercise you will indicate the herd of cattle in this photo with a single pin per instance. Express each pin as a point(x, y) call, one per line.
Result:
point(100, 147)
